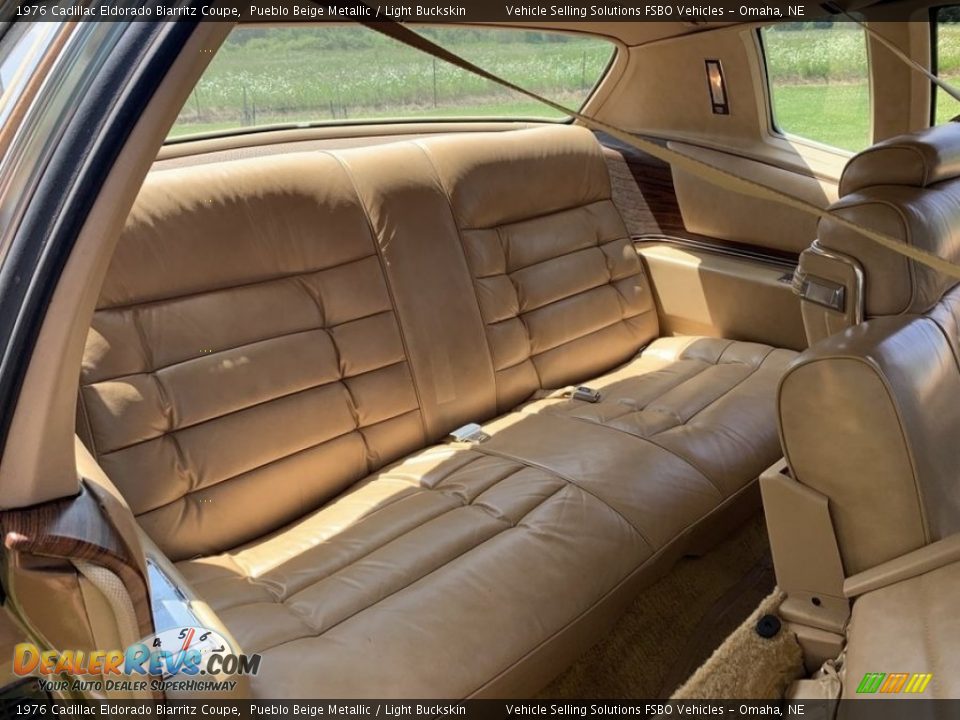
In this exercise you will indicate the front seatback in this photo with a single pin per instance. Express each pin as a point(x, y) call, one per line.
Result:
point(907, 187)
point(870, 418)
point(245, 361)
point(561, 290)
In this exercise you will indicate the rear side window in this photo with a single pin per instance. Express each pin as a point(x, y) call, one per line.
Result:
point(819, 82)
point(947, 34)
point(281, 75)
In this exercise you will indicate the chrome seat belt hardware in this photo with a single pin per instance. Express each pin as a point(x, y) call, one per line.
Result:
point(587, 394)
point(471, 433)
point(822, 292)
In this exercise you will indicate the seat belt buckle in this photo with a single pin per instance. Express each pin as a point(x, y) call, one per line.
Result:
point(587, 394)
point(471, 433)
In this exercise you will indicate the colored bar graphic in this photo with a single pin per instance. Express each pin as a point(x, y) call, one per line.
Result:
point(870, 683)
point(892, 683)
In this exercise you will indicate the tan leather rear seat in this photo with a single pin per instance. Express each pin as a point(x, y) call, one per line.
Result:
point(274, 332)
point(871, 415)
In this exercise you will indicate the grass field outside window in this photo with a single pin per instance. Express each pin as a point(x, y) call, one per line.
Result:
point(264, 76)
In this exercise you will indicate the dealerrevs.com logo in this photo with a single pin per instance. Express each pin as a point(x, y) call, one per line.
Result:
point(193, 659)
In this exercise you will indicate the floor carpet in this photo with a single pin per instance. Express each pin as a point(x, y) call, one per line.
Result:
point(676, 624)
point(747, 666)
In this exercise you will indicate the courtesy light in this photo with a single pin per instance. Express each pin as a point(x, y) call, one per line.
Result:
point(717, 87)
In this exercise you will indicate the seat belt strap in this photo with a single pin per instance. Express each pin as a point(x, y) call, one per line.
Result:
point(698, 168)
point(901, 55)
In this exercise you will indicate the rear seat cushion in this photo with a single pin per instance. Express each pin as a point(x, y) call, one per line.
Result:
point(424, 581)
point(705, 400)
point(488, 537)
point(685, 425)
point(909, 627)
point(562, 291)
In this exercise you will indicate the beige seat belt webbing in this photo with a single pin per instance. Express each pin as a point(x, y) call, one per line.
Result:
point(902, 56)
point(698, 168)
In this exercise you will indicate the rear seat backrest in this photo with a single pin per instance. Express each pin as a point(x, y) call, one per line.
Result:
point(245, 353)
point(273, 329)
point(909, 188)
point(561, 290)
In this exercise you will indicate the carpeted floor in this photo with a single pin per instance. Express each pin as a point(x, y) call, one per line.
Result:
point(676, 624)
point(747, 666)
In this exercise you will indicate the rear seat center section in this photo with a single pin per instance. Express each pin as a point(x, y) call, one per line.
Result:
point(282, 343)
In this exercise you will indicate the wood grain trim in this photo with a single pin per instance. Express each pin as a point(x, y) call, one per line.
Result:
point(643, 191)
point(78, 529)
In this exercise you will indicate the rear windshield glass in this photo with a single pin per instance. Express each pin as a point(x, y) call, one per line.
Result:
point(281, 75)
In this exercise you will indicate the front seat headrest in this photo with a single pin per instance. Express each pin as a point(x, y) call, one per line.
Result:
point(917, 160)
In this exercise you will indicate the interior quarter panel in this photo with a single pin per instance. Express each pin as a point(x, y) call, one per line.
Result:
point(704, 292)
point(716, 212)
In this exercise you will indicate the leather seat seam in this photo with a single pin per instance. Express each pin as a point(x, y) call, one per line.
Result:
point(280, 336)
point(576, 293)
point(541, 216)
point(562, 476)
point(618, 321)
point(641, 438)
point(733, 387)
point(508, 526)
point(459, 504)
point(611, 283)
point(227, 288)
point(680, 536)
point(598, 245)
point(340, 380)
point(236, 557)
point(310, 447)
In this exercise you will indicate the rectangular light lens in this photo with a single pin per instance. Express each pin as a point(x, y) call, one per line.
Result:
point(718, 88)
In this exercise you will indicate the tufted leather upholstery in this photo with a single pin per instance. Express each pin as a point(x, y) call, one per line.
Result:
point(280, 341)
point(561, 290)
point(248, 303)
